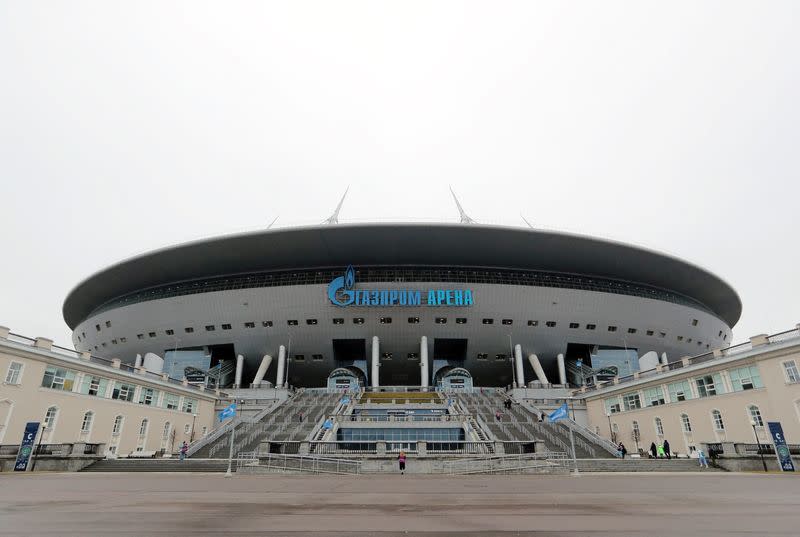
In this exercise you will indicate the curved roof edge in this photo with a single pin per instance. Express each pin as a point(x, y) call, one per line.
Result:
point(402, 244)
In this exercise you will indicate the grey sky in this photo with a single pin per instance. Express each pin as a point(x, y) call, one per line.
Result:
point(126, 126)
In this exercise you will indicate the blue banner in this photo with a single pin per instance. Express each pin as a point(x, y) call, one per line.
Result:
point(560, 413)
point(227, 412)
point(781, 449)
point(26, 446)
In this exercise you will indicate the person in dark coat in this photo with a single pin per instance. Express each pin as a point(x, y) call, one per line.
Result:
point(622, 450)
point(653, 450)
point(666, 449)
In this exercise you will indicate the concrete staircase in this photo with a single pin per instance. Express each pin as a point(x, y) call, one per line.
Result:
point(641, 465)
point(159, 465)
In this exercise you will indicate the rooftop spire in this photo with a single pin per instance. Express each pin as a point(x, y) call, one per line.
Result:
point(465, 219)
point(526, 221)
point(334, 218)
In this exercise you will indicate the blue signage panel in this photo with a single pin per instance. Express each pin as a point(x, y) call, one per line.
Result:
point(781, 449)
point(341, 292)
point(26, 446)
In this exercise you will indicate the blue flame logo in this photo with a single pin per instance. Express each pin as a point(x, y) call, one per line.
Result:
point(340, 289)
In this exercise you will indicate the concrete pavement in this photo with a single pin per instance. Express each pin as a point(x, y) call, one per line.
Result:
point(123, 505)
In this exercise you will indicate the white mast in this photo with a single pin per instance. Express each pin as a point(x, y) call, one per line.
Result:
point(334, 218)
point(465, 219)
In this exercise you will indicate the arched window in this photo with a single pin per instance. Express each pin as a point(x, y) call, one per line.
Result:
point(50, 418)
point(716, 417)
point(143, 427)
point(755, 416)
point(117, 425)
point(659, 427)
point(88, 419)
point(686, 424)
point(167, 429)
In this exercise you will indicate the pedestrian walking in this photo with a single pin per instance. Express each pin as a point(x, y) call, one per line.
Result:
point(401, 460)
point(622, 450)
point(653, 450)
point(660, 451)
point(701, 456)
point(498, 415)
point(184, 449)
point(666, 449)
point(300, 415)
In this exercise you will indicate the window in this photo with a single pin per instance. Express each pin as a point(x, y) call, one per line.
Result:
point(143, 428)
point(319, 357)
point(311, 322)
point(637, 434)
point(654, 396)
point(533, 323)
point(210, 328)
point(631, 401)
point(413, 320)
point(689, 340)
point(57, 378)
point(266, 324)
point(250, 325)
point(138, 336)
point(679, 391)
point(574, 325)
point(299, 357)
point(482, 356)
point(228, 327)
point(508, 321)
point(189, 405)
point(123, 392)
point(686, 424)
point(659, 426)
point(631, 330)
point(14, 373)
point(662, 334)
point(413, 356)
point(792, 374)
point(716, 417)
point(117, 426)
point(170, 401)
point(292, 322)
point(649, 332)
point(755, 416)
point(612, 328)
point(440, 320)
point(170, 332)
point(385, 320)
point(97, 326)
point(167, 430)
point(591, 326)
point(113, 341)
point(148, 396)
point(745, 378)
point(386, 355)
point(188, 329)
point(461, 320)
point(187, 429)
point(338, 320)
point(694, 322)
point(86, 425)
point(550, 324)
point(613, 406)
point(487, 321)
point(92, 385)
point(358, 320)
point(50, 417)
point(501, 357)
point(709, 385)
point(151, 334)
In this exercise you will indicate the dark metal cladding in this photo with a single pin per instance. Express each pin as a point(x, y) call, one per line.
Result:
point(456, 245)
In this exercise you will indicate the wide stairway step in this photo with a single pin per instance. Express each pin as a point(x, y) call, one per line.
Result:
point(159, 465)
point(640, 465)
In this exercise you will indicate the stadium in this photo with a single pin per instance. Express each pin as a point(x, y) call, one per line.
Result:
point(400, 304)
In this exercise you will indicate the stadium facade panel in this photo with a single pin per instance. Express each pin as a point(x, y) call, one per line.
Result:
point(473, 291)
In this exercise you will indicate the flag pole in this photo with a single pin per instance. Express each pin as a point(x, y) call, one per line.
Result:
point(575, 473)
point(230, 453)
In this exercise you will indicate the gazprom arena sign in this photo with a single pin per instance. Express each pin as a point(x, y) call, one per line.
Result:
point(342, 293)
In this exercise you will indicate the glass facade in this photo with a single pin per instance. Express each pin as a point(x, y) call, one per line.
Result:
point(176, 362)
point(400, 435)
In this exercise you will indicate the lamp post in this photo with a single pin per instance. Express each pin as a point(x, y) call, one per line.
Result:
point(758, 442)
point(610, 430)
point(191, 435)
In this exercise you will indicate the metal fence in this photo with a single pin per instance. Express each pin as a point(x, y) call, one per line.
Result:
point(284, 462)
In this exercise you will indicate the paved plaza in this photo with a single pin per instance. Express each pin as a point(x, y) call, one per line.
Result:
point(123, 505)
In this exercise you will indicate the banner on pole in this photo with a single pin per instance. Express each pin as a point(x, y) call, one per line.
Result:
point(26, 446)
point(781, 449)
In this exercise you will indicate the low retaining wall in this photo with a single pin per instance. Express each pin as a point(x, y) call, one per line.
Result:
point(48, 463)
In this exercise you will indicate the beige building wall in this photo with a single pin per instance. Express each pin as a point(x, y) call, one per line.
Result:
point(24, 399)
point(777, 400)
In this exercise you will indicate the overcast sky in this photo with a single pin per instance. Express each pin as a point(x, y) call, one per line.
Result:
point(126, 126)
